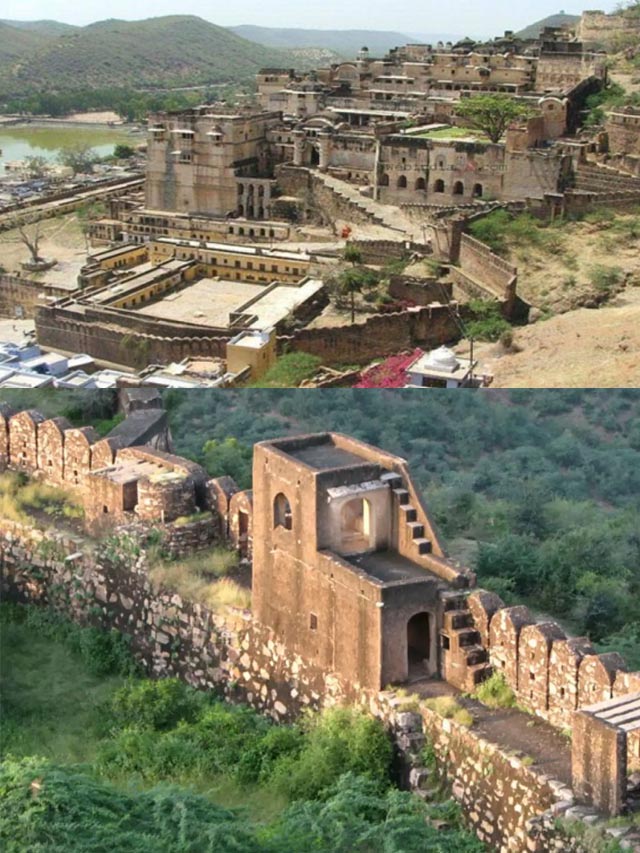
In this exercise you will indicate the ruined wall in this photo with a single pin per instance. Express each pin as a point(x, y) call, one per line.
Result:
point(552, 676)
point(381, 334)
point(230, 653)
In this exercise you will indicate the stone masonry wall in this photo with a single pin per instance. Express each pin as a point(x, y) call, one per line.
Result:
point(231, 653)
point(551, 675)
point(380, 335)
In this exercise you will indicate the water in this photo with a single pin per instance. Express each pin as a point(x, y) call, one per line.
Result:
point(16, 143)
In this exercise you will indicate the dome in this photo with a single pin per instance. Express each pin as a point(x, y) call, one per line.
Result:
point(443, 359)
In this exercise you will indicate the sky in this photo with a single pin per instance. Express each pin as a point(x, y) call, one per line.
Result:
point(460, 17)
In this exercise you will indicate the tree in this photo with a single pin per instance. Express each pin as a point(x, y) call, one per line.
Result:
point(352, 254)
point(492, 114)
point(36, 166)
point(79, 158)
point(352, 281)
point(123, 152)
point(26, 229)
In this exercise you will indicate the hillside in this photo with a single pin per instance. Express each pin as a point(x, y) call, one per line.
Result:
point(51, 29)
point(158, 52)
point(344, 42)
point(15, 44)
point(559, 20)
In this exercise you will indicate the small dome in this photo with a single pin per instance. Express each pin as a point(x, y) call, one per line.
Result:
point(443, 359)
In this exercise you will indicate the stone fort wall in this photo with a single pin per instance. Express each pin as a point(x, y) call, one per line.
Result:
point(503, 800)
point(551, 675)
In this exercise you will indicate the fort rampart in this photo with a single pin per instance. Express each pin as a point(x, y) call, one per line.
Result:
point(503, 799)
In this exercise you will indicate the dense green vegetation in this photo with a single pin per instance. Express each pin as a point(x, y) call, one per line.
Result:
point(538, 490)
point(92, 762)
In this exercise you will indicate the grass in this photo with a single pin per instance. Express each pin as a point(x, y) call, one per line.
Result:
point(447, 707)
point(50, 703)
point(202, 578)
point(289, 371)
point(21, 498)
point(453, 133)
point(496, 693)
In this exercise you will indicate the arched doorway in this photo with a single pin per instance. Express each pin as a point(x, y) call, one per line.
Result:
point(356, 533)
point(419, 644)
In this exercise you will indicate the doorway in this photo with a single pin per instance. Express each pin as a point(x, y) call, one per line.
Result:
point(419, 644)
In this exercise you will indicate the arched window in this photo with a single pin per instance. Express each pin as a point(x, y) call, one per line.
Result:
point(240, 189)
point(282, 512)
point(438, 187)
point(478, 190)
point(384, 181)
point(402, 182)
point(440, 163)
point(458, 188)
point(421, 184)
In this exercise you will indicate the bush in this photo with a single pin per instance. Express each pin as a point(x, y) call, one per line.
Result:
point(155, 705)
point(447, 707)
point(605, 279)
point(495, 692)
point(51, 809)
point(337, 741)
point(486, 323)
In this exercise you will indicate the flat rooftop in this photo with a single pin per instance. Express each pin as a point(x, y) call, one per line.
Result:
point(207, 302)
point(326, 456)
point(390, 567)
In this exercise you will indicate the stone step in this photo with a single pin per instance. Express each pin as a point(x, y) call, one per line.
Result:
point(424, 546)
point(457, 619)
point(453, 601)
point(402, 495)
point(410, 513)
point(416, 528)
point(468, 637)
point(476, 654)
point(394, 481)
point(477, 673)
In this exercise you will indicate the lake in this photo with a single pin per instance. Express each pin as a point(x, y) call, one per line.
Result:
point(18, 142)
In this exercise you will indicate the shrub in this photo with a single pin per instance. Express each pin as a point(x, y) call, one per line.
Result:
point(102, 652)
point(447, 707)
point(155, 705)
point(604, 278)
point(495, 692)
point(338, 741)
point(486, 323)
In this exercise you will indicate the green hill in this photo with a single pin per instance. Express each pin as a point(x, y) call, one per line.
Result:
point(158, 52)
point(559, 20)
point(346, 43)
point(51, 29)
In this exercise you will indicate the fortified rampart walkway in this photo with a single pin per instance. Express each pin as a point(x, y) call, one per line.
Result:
point(511, 729)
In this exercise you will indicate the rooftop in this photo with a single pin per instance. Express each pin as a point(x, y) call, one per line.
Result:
point(325, 456)
point(390, 567)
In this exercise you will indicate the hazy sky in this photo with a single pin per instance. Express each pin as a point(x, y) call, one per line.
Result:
point(471, 17)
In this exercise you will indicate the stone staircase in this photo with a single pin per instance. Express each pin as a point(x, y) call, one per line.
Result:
point(601, 179)
point(465, 661)
point(384, 215)
point(408, 515)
